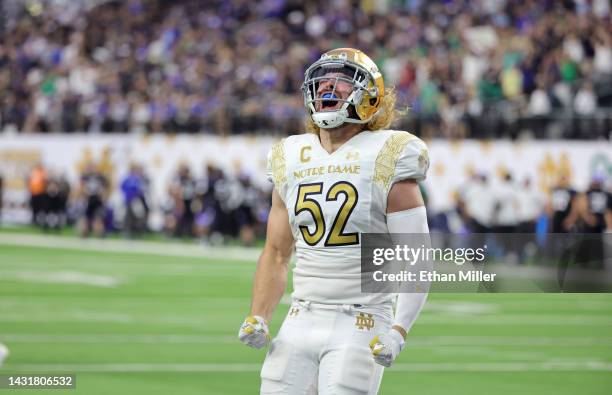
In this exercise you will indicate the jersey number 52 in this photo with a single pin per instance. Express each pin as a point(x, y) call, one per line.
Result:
point(336, 236)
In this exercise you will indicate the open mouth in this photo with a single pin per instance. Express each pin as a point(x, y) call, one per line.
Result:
point(329, 101)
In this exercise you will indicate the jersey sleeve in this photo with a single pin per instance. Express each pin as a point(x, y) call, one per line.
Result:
point(413, 161)
point(276, 169)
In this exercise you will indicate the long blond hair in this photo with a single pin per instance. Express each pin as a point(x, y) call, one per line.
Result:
point(386, 115)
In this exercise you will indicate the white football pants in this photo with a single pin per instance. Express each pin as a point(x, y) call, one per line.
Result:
point(325, 349)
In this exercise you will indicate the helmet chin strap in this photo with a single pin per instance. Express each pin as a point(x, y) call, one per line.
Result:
point(329, 119)
point(333, 119)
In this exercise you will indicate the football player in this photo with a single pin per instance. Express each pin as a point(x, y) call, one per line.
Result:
point(562, 199)
point(349, 175)
point(94, 190)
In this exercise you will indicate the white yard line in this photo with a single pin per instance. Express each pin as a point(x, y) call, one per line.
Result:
point(117, 339)
point(141, 302)
point(427, 341)
point(517, 319)
point(140, 267)
point(189, 320)
point(130, 246)
point(62, 277)
point(546, 366)
point(134, 367)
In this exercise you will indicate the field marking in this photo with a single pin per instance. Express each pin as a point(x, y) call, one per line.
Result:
point(469, 341)
point(426, 341)
point(118, 339)
point(545, 366)
point(518, 319)
point(134, 301)
point(435, 307)
point(62, 277)
point(75, 316)
point(425, 319)
point(463, 307)
point(159, 269)
point(131, 247)
point(135, 367)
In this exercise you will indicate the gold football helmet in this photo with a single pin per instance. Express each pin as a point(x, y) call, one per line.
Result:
point(348, 65)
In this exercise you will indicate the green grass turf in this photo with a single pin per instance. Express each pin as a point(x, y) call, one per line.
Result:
point(179, 316)
point(71, 232)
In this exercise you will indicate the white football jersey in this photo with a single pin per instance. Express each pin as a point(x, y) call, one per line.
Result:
point(333, 198)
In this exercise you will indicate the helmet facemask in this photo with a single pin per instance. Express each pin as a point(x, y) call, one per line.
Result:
point(332, 72)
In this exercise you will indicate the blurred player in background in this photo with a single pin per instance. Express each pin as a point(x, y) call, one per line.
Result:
point(597, 205)
point(588, 215)
point(37, 184)
point(506, 207)
point(531, 205)
point(561, 201)
point(93, 192)
point(208, 216)
point(506, 216)
point(180, 221)
point(245, 213)
point(348, 176)
point(479, 203)
point(134, 188)
point(58, 192)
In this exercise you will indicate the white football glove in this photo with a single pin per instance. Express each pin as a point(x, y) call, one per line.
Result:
point(254, 332)
point(386, 347)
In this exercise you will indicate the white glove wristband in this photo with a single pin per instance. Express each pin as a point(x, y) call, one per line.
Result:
point(398, 338)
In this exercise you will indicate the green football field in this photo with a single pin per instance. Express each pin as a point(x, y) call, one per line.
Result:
point(161, 318)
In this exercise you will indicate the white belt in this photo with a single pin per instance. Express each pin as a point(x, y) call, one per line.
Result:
point(345, 308)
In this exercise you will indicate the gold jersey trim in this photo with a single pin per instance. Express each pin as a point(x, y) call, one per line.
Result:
point(388, 156)
point(278, 163)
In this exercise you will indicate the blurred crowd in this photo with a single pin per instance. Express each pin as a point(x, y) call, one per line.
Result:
point(477, 68)
point(212, 208)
